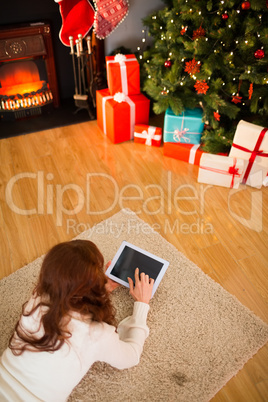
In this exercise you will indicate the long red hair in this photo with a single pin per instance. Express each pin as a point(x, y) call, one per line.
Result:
point(71, 279)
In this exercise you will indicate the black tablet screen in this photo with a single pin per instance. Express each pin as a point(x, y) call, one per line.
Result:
point(131, 259)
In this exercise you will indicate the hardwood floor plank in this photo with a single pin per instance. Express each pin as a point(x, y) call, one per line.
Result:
point(257, 369)
point(255, 269)
point(233, 279)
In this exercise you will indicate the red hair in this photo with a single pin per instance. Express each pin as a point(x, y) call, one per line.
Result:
point(72, 278)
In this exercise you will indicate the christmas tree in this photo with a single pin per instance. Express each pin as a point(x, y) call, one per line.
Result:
point(213, 55)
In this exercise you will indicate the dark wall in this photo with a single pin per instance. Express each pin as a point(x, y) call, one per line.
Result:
point(17, 11)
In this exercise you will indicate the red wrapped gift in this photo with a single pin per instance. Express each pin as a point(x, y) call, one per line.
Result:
point(123, 74)
point(185, 152)
point(148, 135)
point(117, 115)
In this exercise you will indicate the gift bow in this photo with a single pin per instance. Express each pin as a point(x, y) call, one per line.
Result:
point(120, 97)
point(149, 135)
point(179, 134)
point(232, 170)
point(120, 58)
point(256, 152)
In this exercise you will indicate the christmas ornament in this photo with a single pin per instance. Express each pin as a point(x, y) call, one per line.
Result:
point(108, 16)
point(199, 33)
point(250, 91)
point(77, 18)
point(192, 67)
point(225, 16)
point(201, 87)
point(236, 99)
point(184, 29)
point(259, 54)
point(167, 64)
point(217, 116)
point(246, 5)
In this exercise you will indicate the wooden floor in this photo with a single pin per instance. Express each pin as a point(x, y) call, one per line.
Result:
point(57, 183)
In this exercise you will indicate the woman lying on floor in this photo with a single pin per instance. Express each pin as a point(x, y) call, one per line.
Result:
point(68, 324)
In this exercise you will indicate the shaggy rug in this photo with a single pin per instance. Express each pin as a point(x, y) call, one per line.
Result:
point(200, 335)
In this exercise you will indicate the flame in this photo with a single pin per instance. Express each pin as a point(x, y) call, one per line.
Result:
point(21, 86)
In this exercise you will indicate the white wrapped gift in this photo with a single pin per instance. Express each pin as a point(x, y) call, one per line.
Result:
point(251, 143)
point(220, 170)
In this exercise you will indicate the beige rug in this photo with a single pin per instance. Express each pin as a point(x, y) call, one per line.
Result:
point(200, 335)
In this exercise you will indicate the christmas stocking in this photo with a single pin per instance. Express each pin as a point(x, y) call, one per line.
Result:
point(108, 15)
point(77, 18)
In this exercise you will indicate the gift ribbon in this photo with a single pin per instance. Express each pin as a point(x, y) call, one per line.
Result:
point(104, 99)
point(132, 113)
point(178, 135)
point(232, 170)
point(132, 116)
point(148, 136)
point(254, 153)
point(193, 153)
point(123, 72)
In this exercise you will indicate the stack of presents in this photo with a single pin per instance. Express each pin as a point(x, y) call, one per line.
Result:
point(123, 114)
point(122, 110)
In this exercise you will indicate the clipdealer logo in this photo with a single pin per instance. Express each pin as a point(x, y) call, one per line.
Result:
point(50, 196)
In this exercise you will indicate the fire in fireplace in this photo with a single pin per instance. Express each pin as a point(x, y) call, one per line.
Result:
point(21, 88)
point(27, 71)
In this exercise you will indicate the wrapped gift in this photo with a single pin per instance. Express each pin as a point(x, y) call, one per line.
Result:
point(123, 74)
point(117, 115)
point(220, 170)
point(190, 153)
point(148, 135)
point(185, 128)
point(251, 143)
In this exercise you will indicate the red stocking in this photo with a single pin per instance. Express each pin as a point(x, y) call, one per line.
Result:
point(77, 18)
point(108, 15)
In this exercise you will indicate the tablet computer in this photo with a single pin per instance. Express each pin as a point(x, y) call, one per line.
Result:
point(128, 258)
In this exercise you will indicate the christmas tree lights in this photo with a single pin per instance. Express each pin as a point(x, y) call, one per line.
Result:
point(211, 54)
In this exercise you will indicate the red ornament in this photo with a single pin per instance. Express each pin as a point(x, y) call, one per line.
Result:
point(225, 16)
point(201, 87)
point(192, 67)
point(167, 64)
point(184, 29)
point(246, 5)
point(237, 99)
point(259, 54)
point(217, 116)
point(199, 33)
point(250, 91)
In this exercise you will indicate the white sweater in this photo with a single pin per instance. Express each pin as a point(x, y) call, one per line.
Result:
point(51, 377)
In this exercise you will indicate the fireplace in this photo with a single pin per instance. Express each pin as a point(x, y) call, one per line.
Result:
point(28, 81)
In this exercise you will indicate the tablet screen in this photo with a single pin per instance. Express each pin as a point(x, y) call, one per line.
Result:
point(131, 259)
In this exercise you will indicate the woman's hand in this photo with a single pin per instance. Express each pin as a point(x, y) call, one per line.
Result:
point(110, 284)
point(142, 291)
